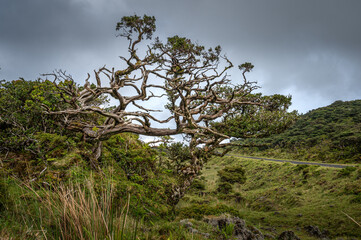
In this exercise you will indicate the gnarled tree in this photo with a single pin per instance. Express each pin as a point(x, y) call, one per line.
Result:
point(191, 79)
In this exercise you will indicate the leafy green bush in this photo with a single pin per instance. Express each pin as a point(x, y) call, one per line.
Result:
point(356, 199)
point(344, 172)
point(352, 188)
point(232, 174)
point(198, 184)
point(238, 197)
point(300, 167)
point(224, 188)
point(21, 114)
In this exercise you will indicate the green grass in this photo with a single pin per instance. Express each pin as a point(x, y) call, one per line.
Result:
point(78, 211)
point(75, 211)
point(275, 197)
point(285, 196)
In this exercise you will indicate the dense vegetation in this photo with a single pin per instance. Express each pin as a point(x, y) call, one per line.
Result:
point(73, 167)
point(38, 154)
point(46, 168)
point(330, 134)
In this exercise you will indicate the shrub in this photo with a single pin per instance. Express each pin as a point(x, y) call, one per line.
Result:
point(238, 197)
point(224, 188)
point(300, 167)
point(232, 174)
point(198, 185)
point(352, 188)
point(356, 199)
point(346, 171)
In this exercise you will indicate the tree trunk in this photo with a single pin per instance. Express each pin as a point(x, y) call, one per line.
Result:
point(188, 175)
point(96, 153)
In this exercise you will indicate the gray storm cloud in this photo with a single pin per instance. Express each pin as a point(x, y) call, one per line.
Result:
point(309, 49)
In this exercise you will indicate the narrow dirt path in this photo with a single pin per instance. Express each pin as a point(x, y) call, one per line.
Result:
point(294, 162)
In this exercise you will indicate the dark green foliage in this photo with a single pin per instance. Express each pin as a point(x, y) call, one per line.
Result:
point(238, 197)
point(224, 188)
point(126, 162)
point(51, 146)
point(301, 167)
point(356, 199)
point(23, 124)
point(131, 154)
point(227, 177)
point(331, 134)
point(346, 171)
point(21, 112)
point(256, 121)
point(138, 175)
point(232, 174)
point(147, 198)
point(246, 66)
point(352, 189)
point(178, 155)
point(129, 24)
point(198, 185)
point(180, 48)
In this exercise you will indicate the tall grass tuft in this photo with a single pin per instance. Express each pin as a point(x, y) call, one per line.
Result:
point(74, 212)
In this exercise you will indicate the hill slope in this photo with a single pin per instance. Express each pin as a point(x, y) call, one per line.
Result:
point(276, 197)
point(331, 134)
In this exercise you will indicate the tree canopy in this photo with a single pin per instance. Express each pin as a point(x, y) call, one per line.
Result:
point(191, 79)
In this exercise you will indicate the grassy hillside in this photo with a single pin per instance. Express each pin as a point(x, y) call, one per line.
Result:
point(57, 184)
point(330, 134)
point(128, 198)
point(282, 196)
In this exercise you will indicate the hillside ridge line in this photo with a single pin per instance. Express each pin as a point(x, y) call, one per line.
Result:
point(294, 161)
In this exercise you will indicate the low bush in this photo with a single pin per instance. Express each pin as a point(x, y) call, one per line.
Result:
point(232, 174)
point(356, 199)
point(224, 188)
point(198, 185)
point(344, 172)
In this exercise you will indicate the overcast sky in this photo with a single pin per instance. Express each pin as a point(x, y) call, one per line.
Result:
point(310, 49)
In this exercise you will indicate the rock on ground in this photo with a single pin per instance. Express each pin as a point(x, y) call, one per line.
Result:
point(240, 231)
point(288, 235)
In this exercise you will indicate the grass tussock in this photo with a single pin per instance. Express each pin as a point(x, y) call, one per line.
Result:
point(76, 211)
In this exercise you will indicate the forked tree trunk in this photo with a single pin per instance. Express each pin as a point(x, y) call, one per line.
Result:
point(96, 153)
